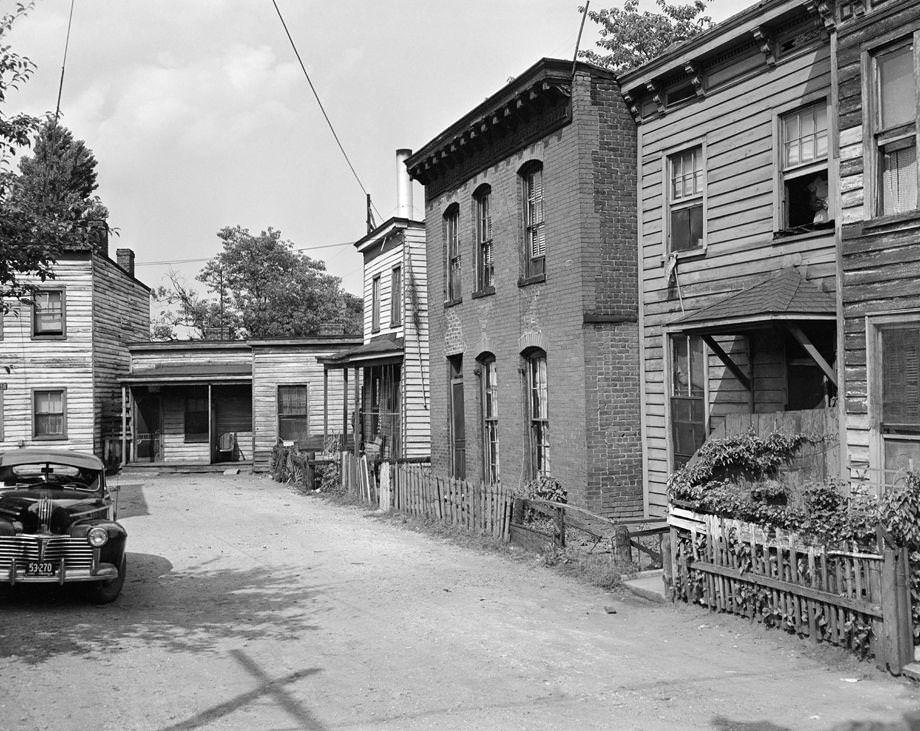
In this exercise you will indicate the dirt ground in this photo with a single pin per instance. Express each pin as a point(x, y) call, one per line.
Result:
point(249, 606)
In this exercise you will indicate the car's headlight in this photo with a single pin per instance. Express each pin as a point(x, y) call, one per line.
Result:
point(97, 537)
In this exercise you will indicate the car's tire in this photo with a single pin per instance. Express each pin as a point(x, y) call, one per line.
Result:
point(106, 592)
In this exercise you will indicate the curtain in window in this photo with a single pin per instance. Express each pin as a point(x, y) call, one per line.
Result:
point(49, 313)
point(292, 413)
point(899, 178)
point(49, 413)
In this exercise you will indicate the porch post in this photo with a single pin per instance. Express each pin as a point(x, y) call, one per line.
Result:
point(325, 405)
point(345, 410)
point(124, 425)
point(357, 412)
point(210, 429)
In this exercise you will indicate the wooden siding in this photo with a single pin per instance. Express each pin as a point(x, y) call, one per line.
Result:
point(57, 363)
point(175, 448)
point(188, 353)
point(881, 257)
point(295, 365)
point(121, 314)
point(737, 125)
point(416, 416)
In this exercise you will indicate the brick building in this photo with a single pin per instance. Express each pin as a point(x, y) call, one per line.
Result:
point(531, 230)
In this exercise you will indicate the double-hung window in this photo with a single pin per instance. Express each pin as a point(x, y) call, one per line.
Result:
point(48, 313)
point(894, 112)
point(49, 418)
point(485, 269)
point(293, 424)
point(803, 154)
point(688, 412)
point(538, 413)
point(534, 226)
point(686, 183)
point(197, 423)
point(375, 304)
point(452, 241)
point(396, 296)
point(489, 420)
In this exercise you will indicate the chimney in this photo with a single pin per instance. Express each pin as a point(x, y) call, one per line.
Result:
point(125, 258)
point(403, 185)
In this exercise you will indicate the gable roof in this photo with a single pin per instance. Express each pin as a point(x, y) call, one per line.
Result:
point(787, 296)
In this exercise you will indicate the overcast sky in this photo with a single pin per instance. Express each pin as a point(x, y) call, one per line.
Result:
point(200, 117)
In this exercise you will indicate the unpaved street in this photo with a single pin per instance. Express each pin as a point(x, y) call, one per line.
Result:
point(249, 606)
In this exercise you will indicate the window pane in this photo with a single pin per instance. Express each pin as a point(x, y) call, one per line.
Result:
point(898, 103)
point(901, 380)
point(805, 135)
point(696, 366)
point(679, 366)
point(48, 313)
point(687, 228)
point(898, 190)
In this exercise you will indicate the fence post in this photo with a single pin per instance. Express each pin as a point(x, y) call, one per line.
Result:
point(897, 644)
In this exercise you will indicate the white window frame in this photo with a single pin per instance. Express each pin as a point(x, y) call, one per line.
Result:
point(667, 363)
point(668, 205)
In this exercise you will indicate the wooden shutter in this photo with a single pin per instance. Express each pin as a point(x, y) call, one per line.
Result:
point(901, 379)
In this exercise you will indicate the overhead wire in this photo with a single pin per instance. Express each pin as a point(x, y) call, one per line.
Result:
point(321, 107)
point(300, 250)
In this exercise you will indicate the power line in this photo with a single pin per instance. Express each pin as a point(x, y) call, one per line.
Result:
point(321, 107)
point(57, 109)
point(208, 258)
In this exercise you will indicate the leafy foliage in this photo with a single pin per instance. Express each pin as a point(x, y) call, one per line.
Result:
point(48, 207)
point(630, 38)
point(544, 488)
point(260, 287)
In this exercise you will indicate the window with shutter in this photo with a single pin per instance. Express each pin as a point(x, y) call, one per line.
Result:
point(534, 224)
point(538, 413)
point(396, 296)
point(894, 118)
point(452, 244)
point(485, 276)
point(899, 421)
point(375, 304)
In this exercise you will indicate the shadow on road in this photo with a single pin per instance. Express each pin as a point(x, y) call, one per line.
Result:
point(131, 501)
point(180, 611)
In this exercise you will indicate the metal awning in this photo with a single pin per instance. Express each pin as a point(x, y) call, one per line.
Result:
point(190, 373)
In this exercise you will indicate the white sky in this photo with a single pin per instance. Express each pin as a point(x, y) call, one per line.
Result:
point(200, 118)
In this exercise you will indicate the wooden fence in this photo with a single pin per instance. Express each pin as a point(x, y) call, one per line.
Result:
point(415, 490)
point(818, 461)
point(855, 599)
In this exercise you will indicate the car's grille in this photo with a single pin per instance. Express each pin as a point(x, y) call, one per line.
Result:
point(76, 552)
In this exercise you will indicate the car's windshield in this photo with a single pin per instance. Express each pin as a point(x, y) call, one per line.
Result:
point(49, 474)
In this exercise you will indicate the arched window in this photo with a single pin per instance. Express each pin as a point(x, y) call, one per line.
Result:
point(452, 252)
point(489, 411)
point(537, 410)
point(532, 208)
point(485, 268)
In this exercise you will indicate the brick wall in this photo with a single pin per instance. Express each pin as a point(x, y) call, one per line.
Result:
point(590, 189)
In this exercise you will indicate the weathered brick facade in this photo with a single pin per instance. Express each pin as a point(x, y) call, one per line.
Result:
point(583, 314)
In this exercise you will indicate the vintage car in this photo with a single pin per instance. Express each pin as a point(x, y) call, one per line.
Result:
point(57, 522)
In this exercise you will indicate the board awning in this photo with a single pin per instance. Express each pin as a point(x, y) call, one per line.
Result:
point(379, 351)
point(785, 298)
point(190, 373)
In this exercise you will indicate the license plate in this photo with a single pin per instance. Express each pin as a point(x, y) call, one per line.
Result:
point(41, 568)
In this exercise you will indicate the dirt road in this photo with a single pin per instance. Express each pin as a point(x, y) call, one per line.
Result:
point(249, 606)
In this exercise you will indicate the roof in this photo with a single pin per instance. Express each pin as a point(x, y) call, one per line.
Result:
point(191, 373)
point(60, 456)
point(787, 296)
point(385, 228)
point(325, 341)
point(385, 348)
point(547, 79)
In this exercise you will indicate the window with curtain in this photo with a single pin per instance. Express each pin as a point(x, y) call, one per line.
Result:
point(49, 418)
point(489, 419)
point(292, 413)
point(396, 296)
point(895, 120)
point(686, 180)
point(485, 270)
point(452, 244)
point(48, 313)
point(534, 224)
point(538, 413)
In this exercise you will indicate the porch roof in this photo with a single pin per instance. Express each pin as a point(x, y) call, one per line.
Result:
point(191, 373)
point(787, 297)
point(383, 349)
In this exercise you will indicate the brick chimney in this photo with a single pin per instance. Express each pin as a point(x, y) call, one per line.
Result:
point(125, 258)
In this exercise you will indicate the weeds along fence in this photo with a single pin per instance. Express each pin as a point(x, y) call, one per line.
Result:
point(415, 490)
point(854, 599)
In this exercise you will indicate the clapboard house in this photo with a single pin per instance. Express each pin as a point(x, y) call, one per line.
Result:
point(63, 348)
point(530, 227)
point(737, 219)
point(389, 392)
point(879, 72)
point(200, 403)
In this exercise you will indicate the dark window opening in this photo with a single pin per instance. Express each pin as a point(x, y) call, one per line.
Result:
point(687, 228)
point(457, 421)
point(197, 424)
point(807, 202)
point(293, 425)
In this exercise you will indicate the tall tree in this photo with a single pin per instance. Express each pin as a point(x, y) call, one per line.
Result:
point(36, 229)
point(629, 38)
point(185, 314)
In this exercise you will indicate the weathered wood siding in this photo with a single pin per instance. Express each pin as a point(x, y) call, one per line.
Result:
point(188, 353)
point(881, 257)
point(294, 365)
point(175, 447)
point(121, 314)
point(416, 416)
point(55, 363)
point(737, 123)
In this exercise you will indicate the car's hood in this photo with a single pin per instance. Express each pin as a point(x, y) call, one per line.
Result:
point(37, 504)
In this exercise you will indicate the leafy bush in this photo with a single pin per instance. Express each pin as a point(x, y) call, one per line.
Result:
point(544, 488)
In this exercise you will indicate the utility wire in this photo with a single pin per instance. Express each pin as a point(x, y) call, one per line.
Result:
point(321, 107)
point(57, 108)
point(208, 258)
